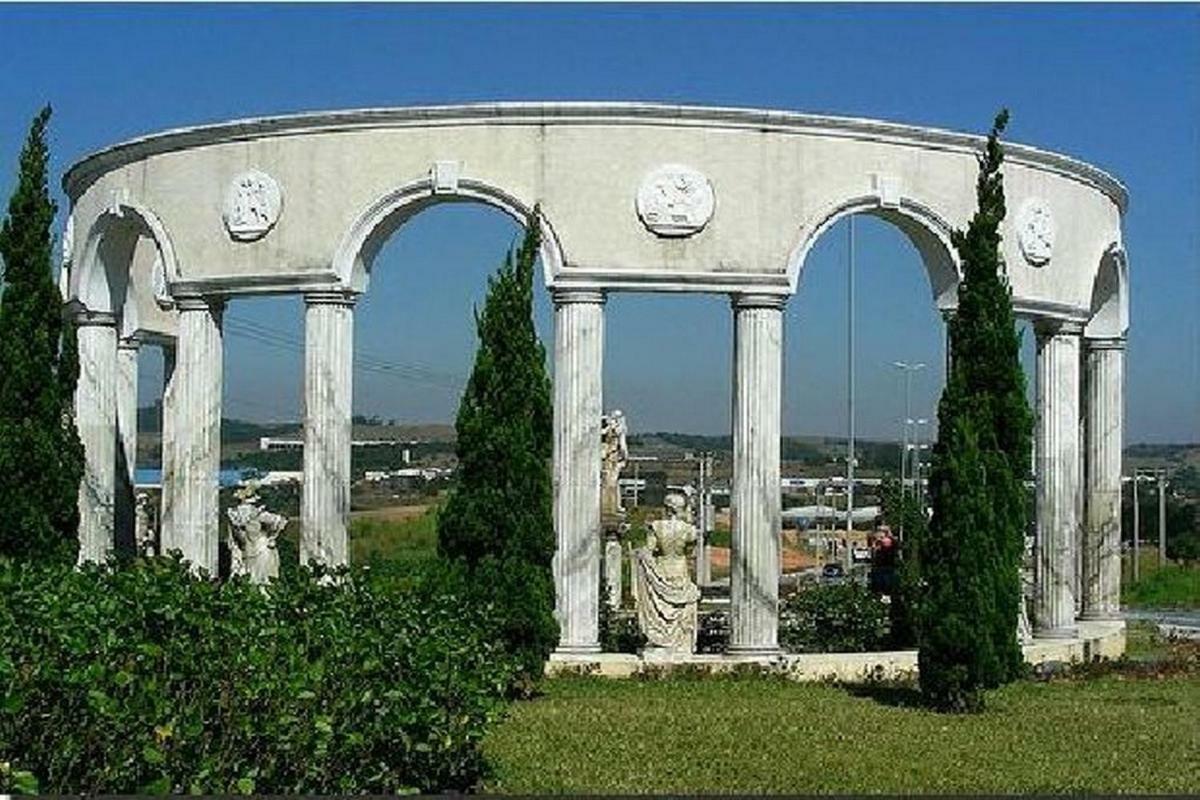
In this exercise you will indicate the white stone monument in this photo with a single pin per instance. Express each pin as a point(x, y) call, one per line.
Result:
point(667, 599)
point(253, 532)
point(615, 454)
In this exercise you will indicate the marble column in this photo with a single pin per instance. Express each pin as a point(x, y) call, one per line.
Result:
point(755, 498)
point(196, 385)
point(1059, 484)
point(96, 418)
point(578, 405)
point(166, 533)
point(1104, 381)
point(126, 402)
point(328, 384)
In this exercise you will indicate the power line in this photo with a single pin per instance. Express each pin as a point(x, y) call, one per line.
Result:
point(363, 362)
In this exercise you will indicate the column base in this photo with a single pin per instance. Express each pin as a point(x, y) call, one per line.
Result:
point(1100, 616)
point(753, 651)
point(1065, 632)
point(569, 651)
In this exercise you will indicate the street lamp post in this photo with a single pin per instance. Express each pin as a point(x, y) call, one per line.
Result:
point(908, 369)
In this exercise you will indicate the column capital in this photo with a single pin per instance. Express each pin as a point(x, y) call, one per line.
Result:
point(1105, 343)
point(331, 297)
point(1044, 327)
point(565, 296)
point(83, 317)
point(198, 302)
point(774, 301)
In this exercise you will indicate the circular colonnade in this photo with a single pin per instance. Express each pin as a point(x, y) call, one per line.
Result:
point(163, 230)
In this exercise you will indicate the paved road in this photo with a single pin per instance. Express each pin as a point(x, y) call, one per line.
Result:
point(1171, 622)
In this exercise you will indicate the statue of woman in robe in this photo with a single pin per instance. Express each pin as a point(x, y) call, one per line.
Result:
point(667, 598)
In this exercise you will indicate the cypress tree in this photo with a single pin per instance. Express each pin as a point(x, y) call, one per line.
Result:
point(970, 555)
point(41, 458)
point(498, 520)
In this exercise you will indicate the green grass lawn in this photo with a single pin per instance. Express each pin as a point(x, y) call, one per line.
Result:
point(409, 540)
point(1171, 586)
point(1112, 733)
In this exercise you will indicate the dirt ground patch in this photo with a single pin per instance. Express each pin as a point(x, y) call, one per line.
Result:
point(793, 561)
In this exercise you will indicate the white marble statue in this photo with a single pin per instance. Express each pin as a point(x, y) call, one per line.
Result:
point(666, 596)
point(253, 532)
point(615, 454)
point(143, 530)
point(1028, 587)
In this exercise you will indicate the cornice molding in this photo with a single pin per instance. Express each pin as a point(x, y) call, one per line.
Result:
point(85, 171)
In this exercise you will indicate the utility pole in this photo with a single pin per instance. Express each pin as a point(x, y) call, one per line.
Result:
point(703, 521)
point(1162, 518)
point(850, 384)
point(908, 369)
point(1136, 526)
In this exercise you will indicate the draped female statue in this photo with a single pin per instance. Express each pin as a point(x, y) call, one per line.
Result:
point(666, 596)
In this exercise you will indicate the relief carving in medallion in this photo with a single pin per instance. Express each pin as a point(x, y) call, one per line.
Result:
point(252, 205)
point(675, 200)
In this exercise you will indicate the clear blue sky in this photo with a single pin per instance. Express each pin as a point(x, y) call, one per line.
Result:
point(1115, 85)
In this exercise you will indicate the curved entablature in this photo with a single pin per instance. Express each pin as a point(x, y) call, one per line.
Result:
point(633, 197)
point(87, 169)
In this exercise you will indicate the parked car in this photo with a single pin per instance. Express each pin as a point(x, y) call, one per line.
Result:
point(833, 573)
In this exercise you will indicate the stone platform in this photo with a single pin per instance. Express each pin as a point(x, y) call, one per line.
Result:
point(1095, 640)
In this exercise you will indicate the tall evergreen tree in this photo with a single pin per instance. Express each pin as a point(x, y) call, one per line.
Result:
point(498, 520)
point(970, 555)
point(41, 458)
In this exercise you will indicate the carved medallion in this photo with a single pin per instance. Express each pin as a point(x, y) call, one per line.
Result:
point(252, 205)
point(675, 200)
point(158, 280)
point(1035, 231)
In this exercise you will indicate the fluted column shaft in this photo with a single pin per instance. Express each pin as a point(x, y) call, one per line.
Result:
point(1059, 484)
point(195, 512)
point(167, 541)
point(328, 386)
point(578, 404)
point(1105, 380)
point(755, 498)
point(96, 418)
point(126, 402)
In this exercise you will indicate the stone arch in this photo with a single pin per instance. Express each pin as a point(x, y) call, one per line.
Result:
point(926, 229)
point(360, 245)
point(1109, 307)
point(102, 282)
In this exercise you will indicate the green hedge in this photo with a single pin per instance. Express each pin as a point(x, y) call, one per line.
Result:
point(839, 618)
point(144, 680)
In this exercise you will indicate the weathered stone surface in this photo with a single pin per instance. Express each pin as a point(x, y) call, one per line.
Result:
point(667, 599)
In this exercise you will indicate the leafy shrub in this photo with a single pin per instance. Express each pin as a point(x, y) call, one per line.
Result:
point(841, 618)
point(146, 680)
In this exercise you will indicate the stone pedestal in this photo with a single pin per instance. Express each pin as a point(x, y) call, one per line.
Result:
point(613, 558)
point(197, 431)
point(328, 385)
point(1059, 485)
point(578, 360)
point(1103, 436)
point(755, 498)
point(167, 540)
point(95, 418)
